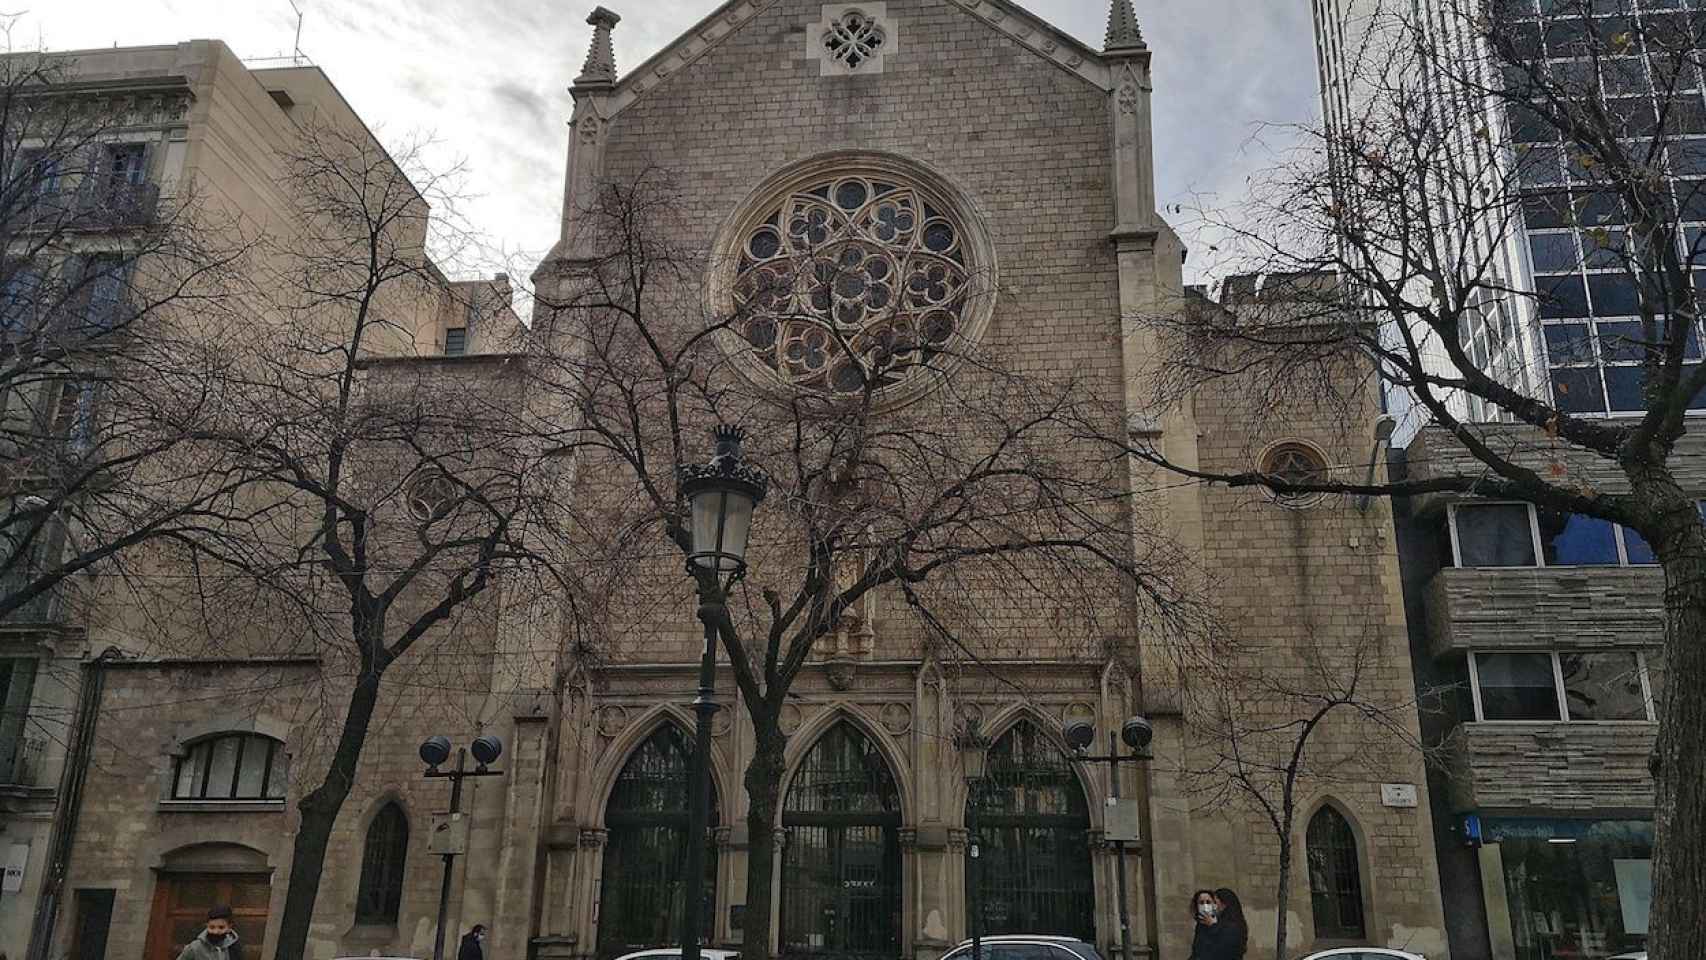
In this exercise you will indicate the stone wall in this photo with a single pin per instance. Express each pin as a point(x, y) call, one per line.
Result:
point(1552, 608)
point(1553, 769)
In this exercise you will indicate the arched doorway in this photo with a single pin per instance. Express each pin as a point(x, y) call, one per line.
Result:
point(191, 879)
point(841, 862)
point(1034, 823)
point(645, 855)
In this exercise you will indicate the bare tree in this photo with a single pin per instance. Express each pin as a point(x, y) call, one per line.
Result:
point(932, 515)
point(1265, 733)
point(1410, 202)
point(106, 287)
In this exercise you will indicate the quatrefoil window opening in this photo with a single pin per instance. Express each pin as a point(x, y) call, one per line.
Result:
point(430, 496)
point(850, 281)
point(854, 38)
point(1297, 463)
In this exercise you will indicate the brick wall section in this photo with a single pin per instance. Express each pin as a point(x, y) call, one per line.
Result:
point(1553, 769)
point(1546, 608)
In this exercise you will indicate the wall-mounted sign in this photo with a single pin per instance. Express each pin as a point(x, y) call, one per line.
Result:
point(449, 835)
point(14, 859)
point(1402, 795)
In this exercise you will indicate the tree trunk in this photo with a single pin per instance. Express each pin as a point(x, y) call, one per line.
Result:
point(763, 789)
point(319, 815)
point(1282, 899)
point(1678, 923)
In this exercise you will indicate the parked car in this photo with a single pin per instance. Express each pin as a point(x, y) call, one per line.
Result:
point(1027, 946)
point(674, 953)
point(1637, 955)
point(1364, 953)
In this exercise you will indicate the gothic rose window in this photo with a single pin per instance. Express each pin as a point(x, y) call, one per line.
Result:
point(853, 282)
point(853, 39)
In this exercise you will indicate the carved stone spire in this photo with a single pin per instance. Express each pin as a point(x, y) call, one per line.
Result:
point(1123, 33)
point(600, 68)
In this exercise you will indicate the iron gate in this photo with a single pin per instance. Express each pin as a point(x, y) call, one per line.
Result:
point(645, 855)
point(841, 864)
point(1034, 823)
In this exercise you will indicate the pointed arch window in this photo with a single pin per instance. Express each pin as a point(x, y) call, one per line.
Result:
point(1033, 825)
point(842, 821)
point(641, 894)
point(1335, 877)
point(380, 896)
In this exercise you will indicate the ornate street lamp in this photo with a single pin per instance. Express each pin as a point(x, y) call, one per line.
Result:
point(974, 758)
point(721, 495)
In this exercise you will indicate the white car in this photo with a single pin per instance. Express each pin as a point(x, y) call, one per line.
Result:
point(1637, 955)
point(1364, 953)
point(674, 953)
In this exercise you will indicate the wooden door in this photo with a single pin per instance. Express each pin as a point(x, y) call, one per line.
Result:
point(181, 902)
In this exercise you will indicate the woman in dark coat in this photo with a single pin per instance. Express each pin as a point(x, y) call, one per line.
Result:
point(472, 947)
point(1231, 938)
point(1202, 919)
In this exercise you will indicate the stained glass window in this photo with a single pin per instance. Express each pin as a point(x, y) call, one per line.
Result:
point(1335, 878)
point(380, 895)
point(853, 283)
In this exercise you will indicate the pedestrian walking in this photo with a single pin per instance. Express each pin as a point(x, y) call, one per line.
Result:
point(473, 944)
point(1202, 919)
point(217, 941)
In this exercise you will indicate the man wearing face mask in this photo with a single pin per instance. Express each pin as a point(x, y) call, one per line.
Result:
point(217, 942)
point(473, 944)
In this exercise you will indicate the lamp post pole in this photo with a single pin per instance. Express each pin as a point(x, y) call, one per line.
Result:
point(1136, 732)
point(974, 908)
point(721, 497)
point(434, 751)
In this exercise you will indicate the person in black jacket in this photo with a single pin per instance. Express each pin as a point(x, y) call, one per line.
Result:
point(472, 944)
point(1231, 937)
point(1202, 920)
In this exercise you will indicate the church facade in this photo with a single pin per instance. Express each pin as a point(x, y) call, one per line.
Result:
point(1025, 156)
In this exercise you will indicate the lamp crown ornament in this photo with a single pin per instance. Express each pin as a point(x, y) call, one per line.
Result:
point(728, 465)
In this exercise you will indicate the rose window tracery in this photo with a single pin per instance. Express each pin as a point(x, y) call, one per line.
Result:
point(853, 282)
point(854, 38)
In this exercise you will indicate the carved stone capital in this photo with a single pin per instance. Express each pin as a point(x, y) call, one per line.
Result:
point(593, 838)
point(908, 838)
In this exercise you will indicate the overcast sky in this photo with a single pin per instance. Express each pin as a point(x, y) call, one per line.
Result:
point(489, 78)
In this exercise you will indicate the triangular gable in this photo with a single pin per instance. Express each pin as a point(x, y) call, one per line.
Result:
point(1029, 30)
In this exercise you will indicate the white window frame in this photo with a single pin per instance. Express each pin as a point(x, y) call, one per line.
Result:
point(1556, 658)
point(1618, 531)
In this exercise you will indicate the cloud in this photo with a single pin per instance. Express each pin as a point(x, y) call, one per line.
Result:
point(527, 103)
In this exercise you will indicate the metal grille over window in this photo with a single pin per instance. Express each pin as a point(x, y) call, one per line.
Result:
point(641, 893)
point(853, 283)
point(236, 766)
point(456, 341)
point(1335, 879)
point(842, 858)
point(1034, 828)
point(380, 895)
point(854, 39)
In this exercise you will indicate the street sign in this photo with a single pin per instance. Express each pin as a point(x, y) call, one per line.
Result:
point(14, 859)
point(1403, 795)
point(449, 835)
point(1121, 820)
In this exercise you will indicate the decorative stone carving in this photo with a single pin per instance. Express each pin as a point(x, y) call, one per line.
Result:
point(593, 838)
point(789, 719)
point(908, 837)
point(1128, 95)
point(721, 721)
point(896, 718)
point(612, 720)
point(852, 38)
point(1077, 710)
point(842, 673)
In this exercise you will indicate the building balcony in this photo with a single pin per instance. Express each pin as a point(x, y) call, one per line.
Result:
point(1514, 608)
point(110, 206)
point(21, 763)
point(1551, 768)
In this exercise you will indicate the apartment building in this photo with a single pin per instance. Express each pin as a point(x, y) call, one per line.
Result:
point(167, 143)
point(1537, 635)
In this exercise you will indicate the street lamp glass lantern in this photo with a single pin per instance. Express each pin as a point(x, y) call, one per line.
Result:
point(722, 495)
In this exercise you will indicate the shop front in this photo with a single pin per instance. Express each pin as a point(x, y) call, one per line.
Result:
point(1559, 889)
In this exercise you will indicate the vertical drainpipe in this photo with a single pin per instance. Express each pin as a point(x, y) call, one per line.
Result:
point(71, 780)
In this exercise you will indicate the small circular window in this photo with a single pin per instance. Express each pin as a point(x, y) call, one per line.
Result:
point(1297, 463)
point(855, 274)
point(430, 495)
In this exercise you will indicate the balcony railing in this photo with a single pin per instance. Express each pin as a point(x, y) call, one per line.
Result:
point(21, 762)
point(41, 608)
point(93, 207)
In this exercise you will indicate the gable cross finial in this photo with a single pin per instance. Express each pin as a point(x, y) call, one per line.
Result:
point(1122, 27)
point(600, 67)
